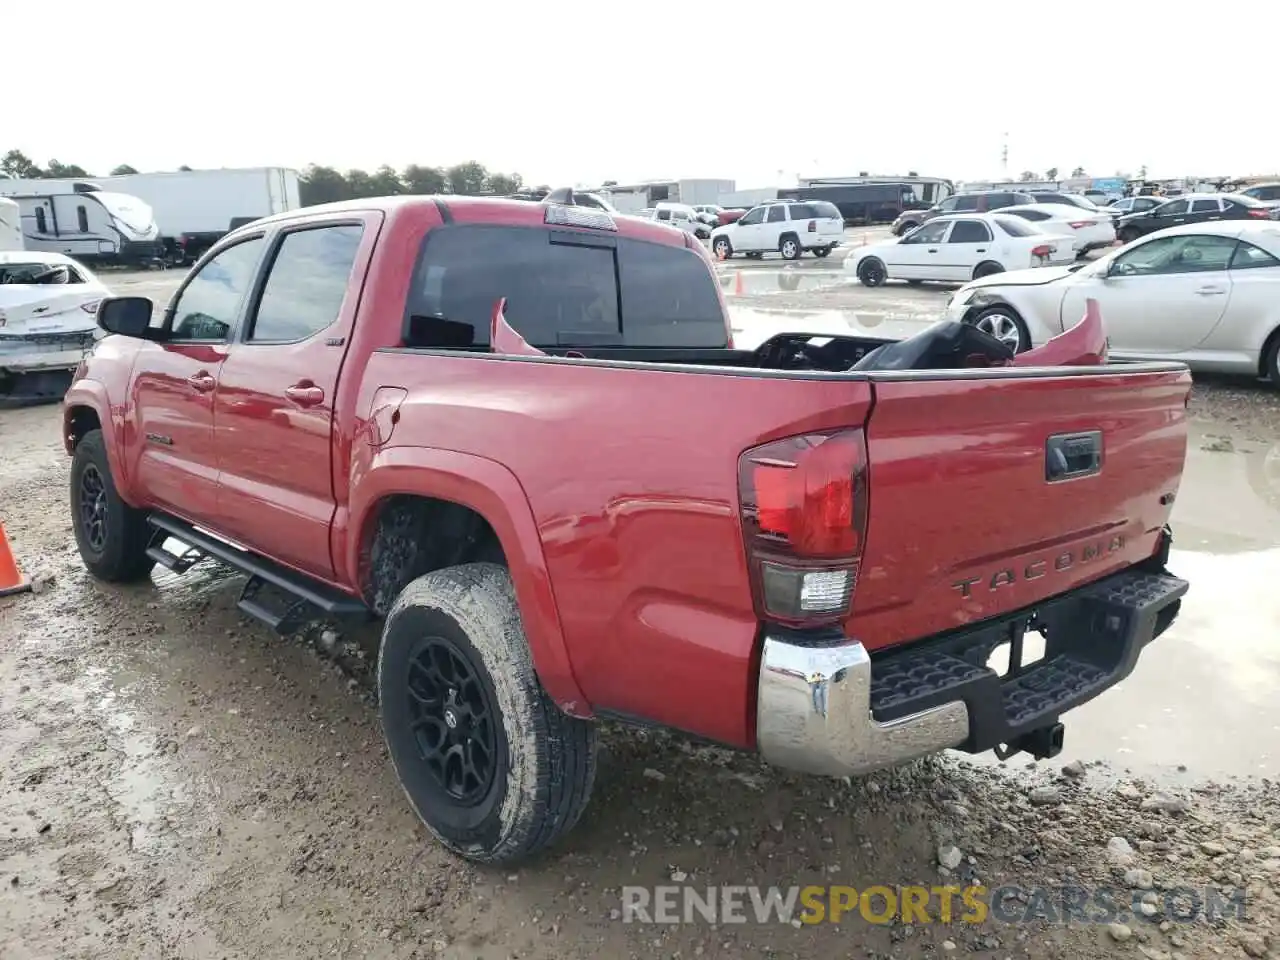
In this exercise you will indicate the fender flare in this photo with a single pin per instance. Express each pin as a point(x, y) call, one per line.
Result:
point(92, 394)
point(492, 491)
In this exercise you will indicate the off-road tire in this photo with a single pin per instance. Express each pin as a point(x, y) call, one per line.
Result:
point(121, 554)
point(545, 760)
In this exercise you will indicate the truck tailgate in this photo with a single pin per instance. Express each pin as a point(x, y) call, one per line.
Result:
point(982, 495)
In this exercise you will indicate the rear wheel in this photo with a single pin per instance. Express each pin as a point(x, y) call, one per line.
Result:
point(1271, 360)
point(986, 269)
point(1006, 325)
point(790, 248)
point(871, 272)
point(495, 770)
point(1128, 235)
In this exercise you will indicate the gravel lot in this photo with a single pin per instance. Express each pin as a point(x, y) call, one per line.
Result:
point(177, 782)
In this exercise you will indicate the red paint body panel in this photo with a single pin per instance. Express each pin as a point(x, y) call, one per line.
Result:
point(613, 488)
point(958, 491)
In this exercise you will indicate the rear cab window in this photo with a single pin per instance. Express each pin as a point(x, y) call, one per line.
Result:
point(563, 289)
point(1014, 227)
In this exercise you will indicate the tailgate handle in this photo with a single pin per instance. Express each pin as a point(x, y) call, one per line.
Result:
point(1072, 455)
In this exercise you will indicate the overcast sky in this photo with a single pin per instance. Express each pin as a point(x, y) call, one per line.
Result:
point(575, 92)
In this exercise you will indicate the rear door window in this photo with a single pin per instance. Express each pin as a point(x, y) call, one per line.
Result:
point(777, 212)
point(969, 231)
point(563, 289)
point(968, 203)
point(307, 283)
point(1205, 206)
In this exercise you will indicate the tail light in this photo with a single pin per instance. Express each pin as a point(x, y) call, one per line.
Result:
point(813, 226)
point(1260, 212)
point(1081, 224)
point(804, 517)
point(1041, 251)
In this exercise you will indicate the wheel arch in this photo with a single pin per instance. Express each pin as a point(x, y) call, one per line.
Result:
point(492, 492)
point(86, 407)
point(1271, 339)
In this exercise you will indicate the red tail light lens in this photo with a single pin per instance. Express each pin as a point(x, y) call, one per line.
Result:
point(804, 515)
point(1041, 251)
point(813, 226)
point(1081, 224)
point(1260, 213)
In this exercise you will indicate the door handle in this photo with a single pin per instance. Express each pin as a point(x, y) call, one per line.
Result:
point(933, 249)
point(1209, 291)
point(202, 381)
point(305, 394)
point(982, 249)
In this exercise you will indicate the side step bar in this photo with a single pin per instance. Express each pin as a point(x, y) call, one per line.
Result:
point(281, 598)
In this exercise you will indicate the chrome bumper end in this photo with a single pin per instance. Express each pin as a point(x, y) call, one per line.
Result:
point(814, 714)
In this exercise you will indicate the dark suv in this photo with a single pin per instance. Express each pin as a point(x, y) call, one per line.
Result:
point(981, 202)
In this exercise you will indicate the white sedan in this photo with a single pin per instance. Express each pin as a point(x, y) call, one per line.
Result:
point(48, 311)
point(1207, 294)
point(1092, 231)
point(959, 248)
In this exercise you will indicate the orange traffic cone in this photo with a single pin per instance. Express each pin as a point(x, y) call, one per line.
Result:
point(737, 284)
point(11, 579)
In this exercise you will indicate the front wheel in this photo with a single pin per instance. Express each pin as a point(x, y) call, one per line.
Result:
point(790, 248)
point(1006, 325)
point(111, 535)
point(1271, 361)
point(871, 272)
point(722, 248)
point(495, 770)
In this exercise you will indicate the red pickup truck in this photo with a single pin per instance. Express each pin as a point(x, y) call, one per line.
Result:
point(769, 549)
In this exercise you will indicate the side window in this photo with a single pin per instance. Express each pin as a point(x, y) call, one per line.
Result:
point(558, 294)
point(1174, 208)
point(753, 216)
point(1205, 206)
point(1247, 256)
point(664, 215)
point(777, 213)
point(964, 204)
point(1172, 255)
point(931, 232)
point(206, 308)
point(307, 283)
point(948, 205)
point(969, 231)
point(1035, 215)
point(82, 218)
point(42, 225)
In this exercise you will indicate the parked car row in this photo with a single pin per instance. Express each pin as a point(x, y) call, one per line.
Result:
point(1206, 294)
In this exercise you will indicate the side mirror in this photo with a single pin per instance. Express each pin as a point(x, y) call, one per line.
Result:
point(127, 316)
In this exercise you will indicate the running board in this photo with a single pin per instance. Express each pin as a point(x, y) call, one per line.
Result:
point(279, 597)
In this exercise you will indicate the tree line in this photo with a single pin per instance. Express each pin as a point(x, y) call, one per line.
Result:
point(320, 184)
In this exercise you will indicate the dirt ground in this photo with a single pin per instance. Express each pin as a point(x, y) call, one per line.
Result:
point(176, 782)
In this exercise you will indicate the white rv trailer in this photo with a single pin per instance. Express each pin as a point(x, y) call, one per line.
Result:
point(77, 218)
point(196, 208)
point(10, 225)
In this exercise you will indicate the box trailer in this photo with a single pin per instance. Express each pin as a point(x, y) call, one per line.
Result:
point(196, 208)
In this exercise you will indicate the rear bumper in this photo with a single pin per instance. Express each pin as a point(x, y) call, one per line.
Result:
point(827, 707)
point(52, 351)
point(823, 242)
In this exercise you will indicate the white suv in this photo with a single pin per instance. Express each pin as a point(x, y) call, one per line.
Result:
point(790, 227)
